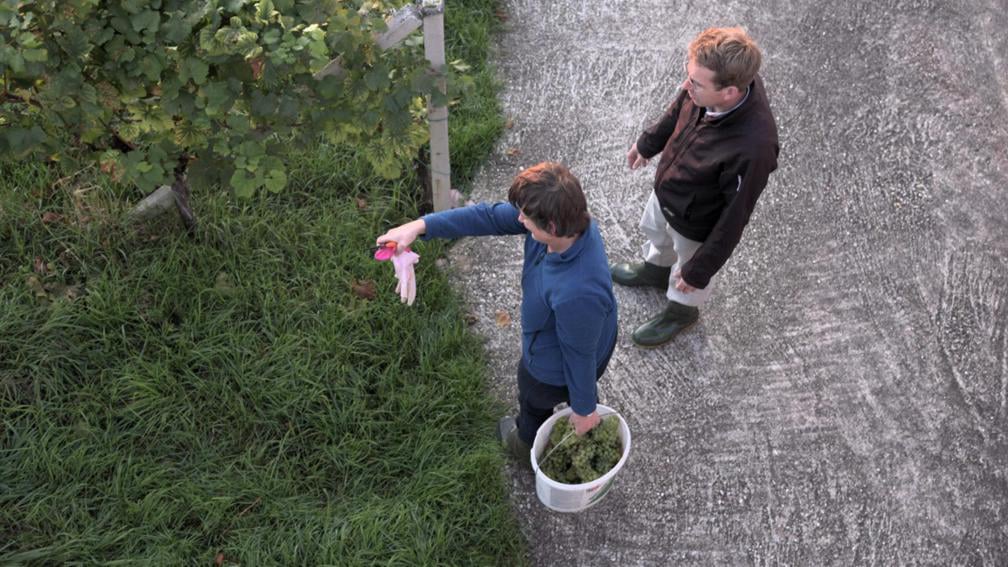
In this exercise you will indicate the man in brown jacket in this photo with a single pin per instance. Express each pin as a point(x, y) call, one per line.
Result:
point(718, 145)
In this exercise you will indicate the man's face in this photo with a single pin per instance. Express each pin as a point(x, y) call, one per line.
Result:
point(700, 86)
point(537, 232)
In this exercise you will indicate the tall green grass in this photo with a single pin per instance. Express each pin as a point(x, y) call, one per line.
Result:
point(165, 399)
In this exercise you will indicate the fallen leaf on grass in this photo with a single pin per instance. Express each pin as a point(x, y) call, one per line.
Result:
point(364, 289)
point(503, 318)
point(50, 217)
point(219, 560)
point(223, 283)
point(362, 204)
point(39, 266)
point(71, 292)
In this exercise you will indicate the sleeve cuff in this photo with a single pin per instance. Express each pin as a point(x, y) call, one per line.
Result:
point(583, 407)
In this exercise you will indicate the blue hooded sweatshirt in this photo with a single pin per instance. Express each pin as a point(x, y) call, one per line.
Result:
point(568, 310)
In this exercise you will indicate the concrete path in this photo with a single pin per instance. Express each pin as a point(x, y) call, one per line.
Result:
point(843, 400)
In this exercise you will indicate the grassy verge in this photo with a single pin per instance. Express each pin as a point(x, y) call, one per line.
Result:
point(164, 399)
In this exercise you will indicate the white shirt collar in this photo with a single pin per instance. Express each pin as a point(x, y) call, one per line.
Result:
point(712, 114)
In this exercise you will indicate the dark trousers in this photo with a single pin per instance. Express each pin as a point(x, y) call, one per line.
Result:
point(536, 399)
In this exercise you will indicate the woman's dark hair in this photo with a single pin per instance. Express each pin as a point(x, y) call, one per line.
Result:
point(550, 195)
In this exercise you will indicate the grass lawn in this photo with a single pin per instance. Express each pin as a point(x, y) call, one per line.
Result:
point(166, 399)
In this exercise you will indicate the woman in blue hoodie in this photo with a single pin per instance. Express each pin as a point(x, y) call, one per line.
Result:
point(568, 310)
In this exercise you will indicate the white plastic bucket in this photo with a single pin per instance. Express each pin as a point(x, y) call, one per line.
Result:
point(575, 497)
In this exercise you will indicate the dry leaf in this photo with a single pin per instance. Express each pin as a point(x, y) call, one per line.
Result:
point(512, 152)
point(503, 318)
point(109, 167)
point(364, 289)
point(509, 123)
point(219, 560)
point(71, 292)
point(39, 266)
point(257, 65)
point(362, 204)
point(51, 217)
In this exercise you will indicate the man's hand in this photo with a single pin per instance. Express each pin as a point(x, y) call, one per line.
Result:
point(634, 159)
point(584, 423)
point(403, 235)
point(681, 284)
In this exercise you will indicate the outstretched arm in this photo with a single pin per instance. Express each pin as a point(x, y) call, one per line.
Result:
point(482, 219)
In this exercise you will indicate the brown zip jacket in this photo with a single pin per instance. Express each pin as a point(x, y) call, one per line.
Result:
point(711, 172)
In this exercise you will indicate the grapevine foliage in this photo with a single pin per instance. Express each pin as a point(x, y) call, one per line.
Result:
point(141, 87)
point(584, 458)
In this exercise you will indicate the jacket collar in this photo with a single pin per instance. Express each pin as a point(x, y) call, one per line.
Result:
point(755, 93)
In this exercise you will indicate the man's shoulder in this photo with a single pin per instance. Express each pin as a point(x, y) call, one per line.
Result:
point(756, 123)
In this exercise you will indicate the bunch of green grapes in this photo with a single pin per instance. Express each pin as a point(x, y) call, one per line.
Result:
point(608, 445)
point(579, 459)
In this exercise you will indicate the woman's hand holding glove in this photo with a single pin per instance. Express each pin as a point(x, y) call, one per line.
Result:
point(394, 245)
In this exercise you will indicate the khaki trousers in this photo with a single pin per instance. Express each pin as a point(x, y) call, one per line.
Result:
point(666, 247)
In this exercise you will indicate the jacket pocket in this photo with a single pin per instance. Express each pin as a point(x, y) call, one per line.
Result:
point(677, 206)
point(707, 210)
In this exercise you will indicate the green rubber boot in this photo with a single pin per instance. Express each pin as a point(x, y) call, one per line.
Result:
point(507, 434)
point(641, 274)
point(661, 329)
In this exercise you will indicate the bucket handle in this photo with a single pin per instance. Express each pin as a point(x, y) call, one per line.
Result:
point(554, 448)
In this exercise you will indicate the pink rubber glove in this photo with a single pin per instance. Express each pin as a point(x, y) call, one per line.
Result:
point(403, 263)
